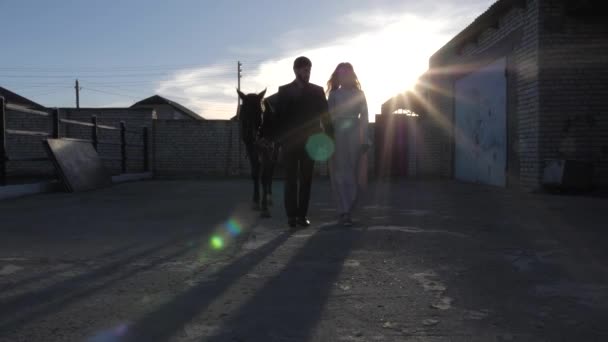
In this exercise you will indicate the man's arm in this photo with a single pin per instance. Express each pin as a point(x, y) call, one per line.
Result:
point(279, 114)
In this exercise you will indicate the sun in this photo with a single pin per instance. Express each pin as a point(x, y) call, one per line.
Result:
point(388, 61)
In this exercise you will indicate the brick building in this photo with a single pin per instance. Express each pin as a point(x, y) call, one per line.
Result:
point(166, 109)
point(523, 84)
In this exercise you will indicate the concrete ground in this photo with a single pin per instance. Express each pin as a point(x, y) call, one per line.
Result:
point(189, 261)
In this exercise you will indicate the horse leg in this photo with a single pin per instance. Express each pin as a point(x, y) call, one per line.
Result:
point(255, 177)
point(265, 195)
point(272, 163)
point(268, 180)
point(269, 189)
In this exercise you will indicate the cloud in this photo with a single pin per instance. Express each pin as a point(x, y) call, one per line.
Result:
point(248, 50)
point(389, 54)
point(208, 91)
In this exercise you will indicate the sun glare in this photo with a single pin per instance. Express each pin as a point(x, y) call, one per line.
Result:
point(388, 59)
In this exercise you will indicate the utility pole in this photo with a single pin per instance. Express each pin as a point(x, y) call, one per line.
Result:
point(77, 87)
point(239, 74)
point(239, 69)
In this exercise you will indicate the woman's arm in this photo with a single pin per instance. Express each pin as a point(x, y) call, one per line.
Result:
point(364, 122)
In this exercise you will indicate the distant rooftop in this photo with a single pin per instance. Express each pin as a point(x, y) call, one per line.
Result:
point(14, 98)
point(158, 100)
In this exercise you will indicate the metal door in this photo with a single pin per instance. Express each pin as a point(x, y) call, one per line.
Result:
point(480, 125)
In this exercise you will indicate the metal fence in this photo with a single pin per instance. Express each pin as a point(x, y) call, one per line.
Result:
point(54, 133)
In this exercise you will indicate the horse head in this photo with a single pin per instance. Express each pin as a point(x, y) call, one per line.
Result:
point(252, 104)
point(250, 113)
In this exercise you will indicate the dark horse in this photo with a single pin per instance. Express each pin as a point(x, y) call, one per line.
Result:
point(254, 112)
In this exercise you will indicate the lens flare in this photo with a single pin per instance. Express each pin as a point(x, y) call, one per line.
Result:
point(202, 257)
point(217, 242)
point(320, 147)
point(234, 227)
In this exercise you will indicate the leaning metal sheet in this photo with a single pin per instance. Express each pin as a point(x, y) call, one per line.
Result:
point(78, 165)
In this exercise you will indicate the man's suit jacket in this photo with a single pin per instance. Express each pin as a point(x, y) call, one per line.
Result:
point(299, 112)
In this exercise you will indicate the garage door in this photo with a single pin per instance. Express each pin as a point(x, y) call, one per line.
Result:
point(480, 126)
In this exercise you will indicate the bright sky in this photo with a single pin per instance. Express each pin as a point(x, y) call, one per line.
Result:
point(187, 50)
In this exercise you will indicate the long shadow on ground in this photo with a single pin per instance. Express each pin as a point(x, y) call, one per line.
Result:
point(173, 316)
point(24, 308)
point(291, 304)
point(46, 274)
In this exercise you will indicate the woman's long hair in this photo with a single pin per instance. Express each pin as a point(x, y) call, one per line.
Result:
point(334, 82)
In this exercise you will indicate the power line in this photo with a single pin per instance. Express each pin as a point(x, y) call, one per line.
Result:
point(132, 97)
point(84, 76)
point(118, 69)
point(134, 83)
point(127, 79)
point(221, 78)
point(146, 71)
point(119, 80)
point(49, 93)
point(22, 87)
point(167, 83)
point(71, 73)
point(80, 75)
point(118, 87)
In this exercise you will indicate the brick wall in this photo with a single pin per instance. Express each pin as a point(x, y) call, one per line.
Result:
point(574, 87)
point(515, 37)
point(134, 118)
point(177, 148)
point(525, 75)
point(398, 131)
point(429, 139)
point(27, 146)
point(188, 148)
point(32, 147)
point(435, 133)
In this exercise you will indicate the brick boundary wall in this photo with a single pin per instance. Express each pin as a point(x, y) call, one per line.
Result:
point(134, 118)
point(19, 146)
point(193, 149)
point(32, 147)
point(574, 88)
point(177, 148)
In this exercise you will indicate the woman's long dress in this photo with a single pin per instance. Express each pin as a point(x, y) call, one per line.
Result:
point(348, 165)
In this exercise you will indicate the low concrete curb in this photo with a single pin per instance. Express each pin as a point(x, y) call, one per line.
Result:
point(132, 177)
point(19, 190)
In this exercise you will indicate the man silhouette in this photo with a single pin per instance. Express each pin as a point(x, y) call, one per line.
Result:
point(301, 107)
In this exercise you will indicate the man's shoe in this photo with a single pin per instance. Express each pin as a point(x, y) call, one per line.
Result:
point(292, 222)
point(303, 221)
point(347, 221)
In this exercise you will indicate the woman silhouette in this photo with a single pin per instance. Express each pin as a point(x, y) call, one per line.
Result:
point(349, 115)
